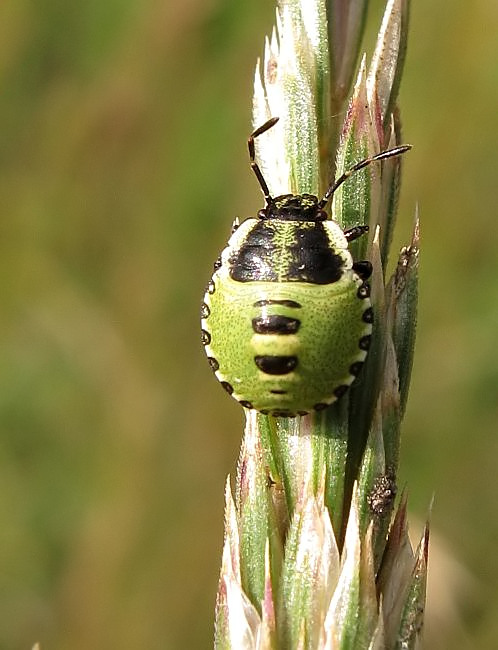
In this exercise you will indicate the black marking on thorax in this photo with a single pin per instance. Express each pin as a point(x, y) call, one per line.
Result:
point(255, 259)
point(313, 259)
point(281, 251)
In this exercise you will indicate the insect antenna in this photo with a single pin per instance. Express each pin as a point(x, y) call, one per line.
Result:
point(252, 156)
point(389, 153)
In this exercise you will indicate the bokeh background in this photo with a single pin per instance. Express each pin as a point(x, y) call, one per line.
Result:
point(123, 161)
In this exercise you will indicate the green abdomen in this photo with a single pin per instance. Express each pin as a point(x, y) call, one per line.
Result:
point(286, 347)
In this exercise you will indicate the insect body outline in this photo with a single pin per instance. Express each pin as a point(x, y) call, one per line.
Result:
point(286, 318)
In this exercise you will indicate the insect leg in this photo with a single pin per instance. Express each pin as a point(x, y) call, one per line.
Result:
point(356, 231)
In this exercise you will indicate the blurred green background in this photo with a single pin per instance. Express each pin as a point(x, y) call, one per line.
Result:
point(123, 162)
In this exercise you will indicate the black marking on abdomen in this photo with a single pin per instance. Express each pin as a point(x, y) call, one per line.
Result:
point(340, 390)
point(364, 343)
point(278, 392)
point(275, 365)
point(368, 316)
point(205, 337)
point(285, 303)
point(205, 311)
point(213, 363)
point(283, 414)
point(355, 368)
point(363, 291)
point(275, 324)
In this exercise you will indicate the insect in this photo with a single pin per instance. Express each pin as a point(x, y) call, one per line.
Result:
point(286, 318)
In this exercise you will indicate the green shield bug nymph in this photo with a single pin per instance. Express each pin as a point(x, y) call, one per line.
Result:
point(286, 318)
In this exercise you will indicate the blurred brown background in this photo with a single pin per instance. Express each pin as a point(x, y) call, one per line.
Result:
point(123, 161)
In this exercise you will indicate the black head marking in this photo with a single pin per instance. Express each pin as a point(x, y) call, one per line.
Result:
point(293, 207)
